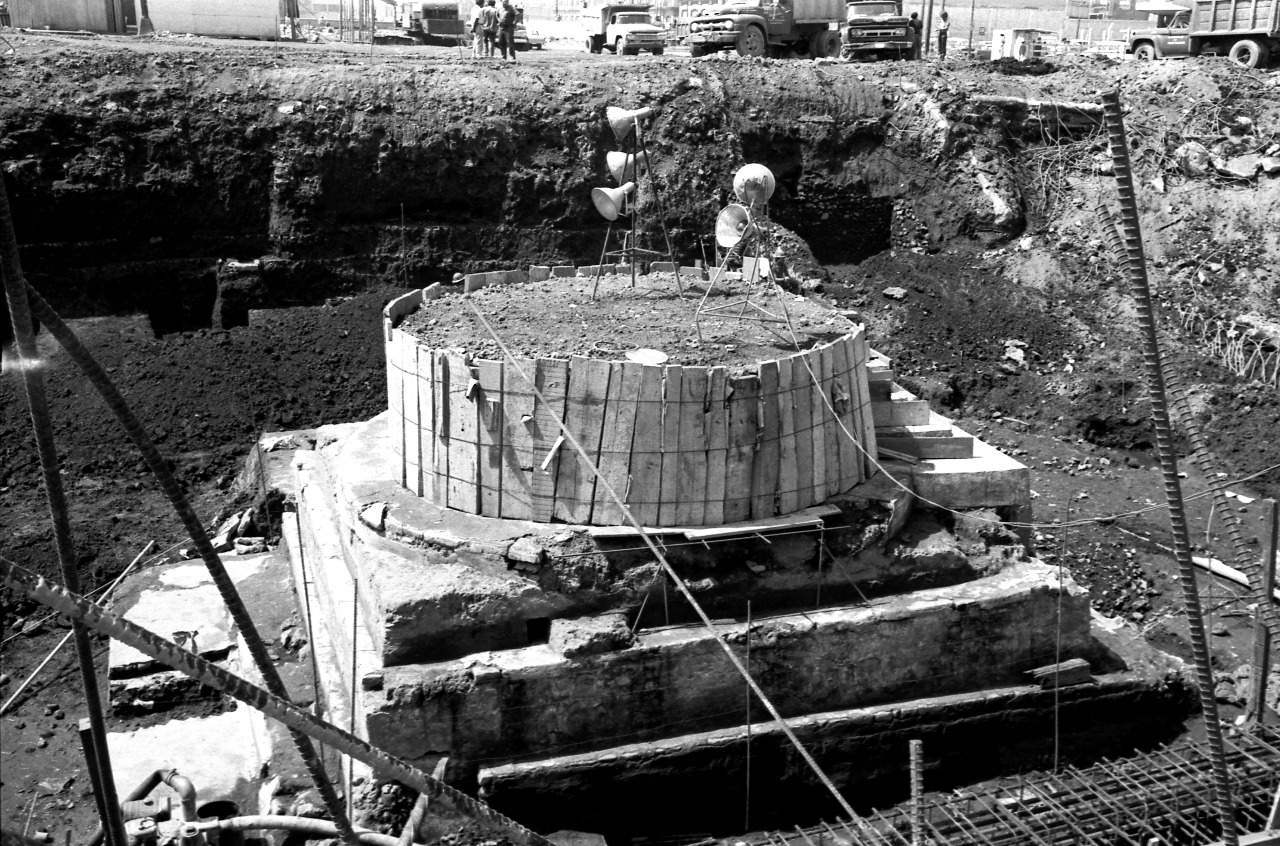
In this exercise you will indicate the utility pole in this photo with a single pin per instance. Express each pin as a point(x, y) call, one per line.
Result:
point(928, 24)
point(973, 35)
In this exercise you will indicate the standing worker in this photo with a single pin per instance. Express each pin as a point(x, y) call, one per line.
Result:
point(507, 30)
point(489, 21)
point(917, 33)
point(476, 28)
point(943, 26)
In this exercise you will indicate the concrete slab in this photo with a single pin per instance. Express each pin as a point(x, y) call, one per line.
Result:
point(219, 753)
point(197, 611)
point(179, 598)
point(539, 272)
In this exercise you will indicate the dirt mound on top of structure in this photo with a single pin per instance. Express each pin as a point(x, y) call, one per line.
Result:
point(558, 318)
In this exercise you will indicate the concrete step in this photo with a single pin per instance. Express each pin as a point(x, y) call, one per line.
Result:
point(906, 412)
point(941, 429)
point(953, 447)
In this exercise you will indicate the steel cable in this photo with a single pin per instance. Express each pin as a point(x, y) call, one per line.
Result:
point(1141, 289)
point(195, 529)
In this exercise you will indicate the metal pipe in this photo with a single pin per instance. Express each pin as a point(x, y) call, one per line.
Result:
point(302, 825)
point(200, 539)
point(181, 785)
point(94, 767)
point(296, 719)
point(1141, 288)
point(42, 427)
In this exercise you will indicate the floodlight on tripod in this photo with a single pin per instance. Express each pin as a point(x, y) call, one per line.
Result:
point(624, 121)
point(623, 165)
point(627, 167)
point(611, 202)
point(738, 228)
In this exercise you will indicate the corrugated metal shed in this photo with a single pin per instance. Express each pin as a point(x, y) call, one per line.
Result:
point(89, 15)
point(235, 18)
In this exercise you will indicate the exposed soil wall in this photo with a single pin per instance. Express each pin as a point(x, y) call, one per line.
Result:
point(139, 163)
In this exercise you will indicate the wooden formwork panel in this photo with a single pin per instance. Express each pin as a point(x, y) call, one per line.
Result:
point(680, 445)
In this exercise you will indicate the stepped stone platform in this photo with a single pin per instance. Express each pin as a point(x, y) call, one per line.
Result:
point(505, 644)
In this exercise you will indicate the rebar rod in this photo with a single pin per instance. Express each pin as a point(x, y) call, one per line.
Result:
point(1141, 290)
point(195, 530)
point(42, 428)
point(149, 643)
point(1246, 561)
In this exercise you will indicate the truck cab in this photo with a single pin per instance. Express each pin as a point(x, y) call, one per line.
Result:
point(1170, 38)
point(876, 29)
point(805, 27)
point(624, 29)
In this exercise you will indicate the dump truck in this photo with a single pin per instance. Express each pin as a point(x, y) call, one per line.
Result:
point(876, 29)
point(624, 29)
point(435, 22)
point(784, 27)
point(1247, 31)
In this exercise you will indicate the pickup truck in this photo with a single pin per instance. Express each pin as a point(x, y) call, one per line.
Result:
point(624, 29)
point(752, 28)
point(876, 29)
point(1248, 31)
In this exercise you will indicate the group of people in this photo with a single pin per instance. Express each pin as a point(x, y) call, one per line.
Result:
point(493, 27)
point(916, 27)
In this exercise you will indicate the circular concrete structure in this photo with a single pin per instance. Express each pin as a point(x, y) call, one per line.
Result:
point(681, 444)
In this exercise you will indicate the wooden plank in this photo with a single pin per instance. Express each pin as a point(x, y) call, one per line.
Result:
point(846, 449)
point(691, 509)
point(615, 444)
point(552, 379)
point(584, 415)
point(744, 415)
point(646, 449)
point(440, 388)
point(802, 409)
point(395, 401)
point(427, 422)
point(516, 406)
point(832, 429)
point(862, 358)
point(788, 473)
point(717, 428)
point(764, 471)
point(412, 426)
point(669, 489)
point(817, 433)
point(488, 400)
point(464, 437)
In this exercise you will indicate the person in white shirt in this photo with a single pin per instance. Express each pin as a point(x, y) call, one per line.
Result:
point(943, 27)
point(477, 30)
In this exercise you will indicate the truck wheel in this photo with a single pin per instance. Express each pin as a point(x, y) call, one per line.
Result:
point(1144, 52)
point(751, 42)
point(824, 45)
point(657, 51)
point(1249, 53)
point(617, 47)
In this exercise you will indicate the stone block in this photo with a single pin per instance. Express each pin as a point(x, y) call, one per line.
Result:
point(474, 282)
point(662, 267)
point(526, 550)
point(623, 269)
point(539, 273)
point(590, 635)
point(564, 270)
point(695, 272)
